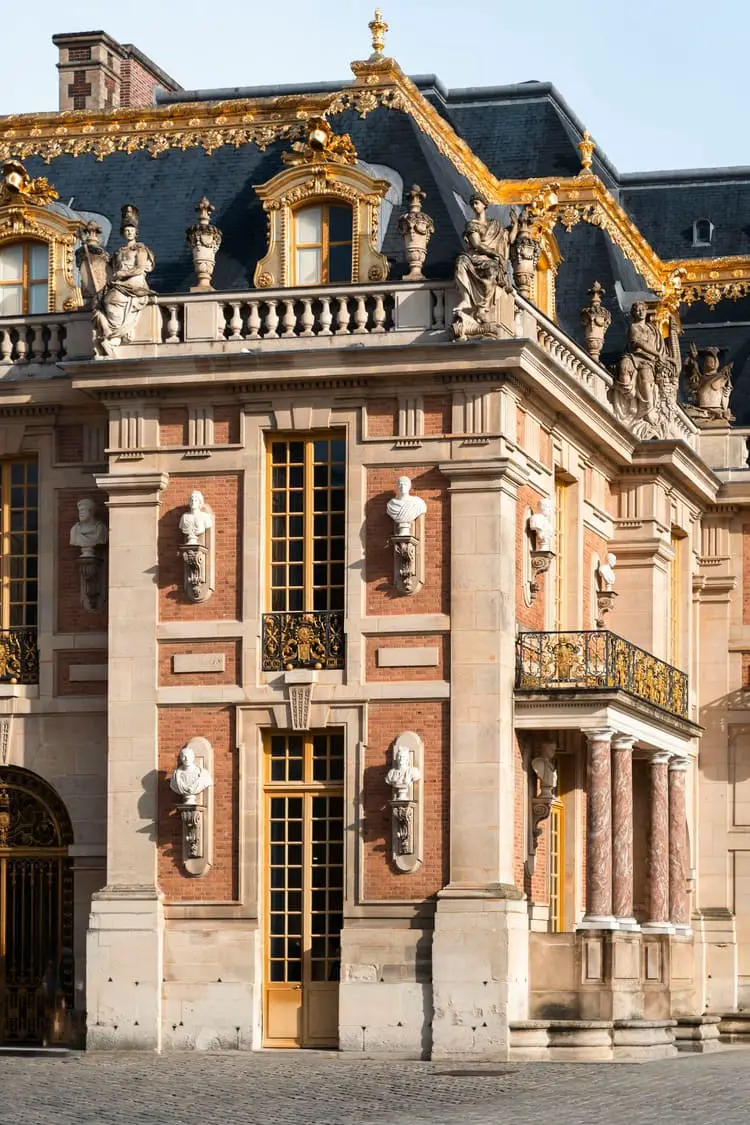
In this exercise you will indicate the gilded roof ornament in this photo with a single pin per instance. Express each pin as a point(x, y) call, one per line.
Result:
point(322, 146)
point(586, 148)
point(18, 187)
point(378, 27)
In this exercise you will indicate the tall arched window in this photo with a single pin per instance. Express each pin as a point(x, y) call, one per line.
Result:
point(24, 278)
point(323, 244)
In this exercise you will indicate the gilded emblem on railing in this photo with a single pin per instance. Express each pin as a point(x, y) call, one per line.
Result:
point(303, 640)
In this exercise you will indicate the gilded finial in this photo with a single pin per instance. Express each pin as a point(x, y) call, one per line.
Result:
point(378, 27)
point(586, 148)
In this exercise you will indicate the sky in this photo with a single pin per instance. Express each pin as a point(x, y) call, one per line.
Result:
point(658, 83)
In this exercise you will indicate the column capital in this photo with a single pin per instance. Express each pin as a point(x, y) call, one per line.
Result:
point(132, 489)
point(623, 742)
point(600, 734)
point(662, 758)
point(679, 765)
point(498, 475)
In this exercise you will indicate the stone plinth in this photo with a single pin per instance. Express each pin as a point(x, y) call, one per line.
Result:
point(698, 1035)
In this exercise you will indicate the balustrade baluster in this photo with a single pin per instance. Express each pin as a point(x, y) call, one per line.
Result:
point(57, 342)
point(253, 321)
point(325, 317)
point(6, 345)
point(173, 326)
point(342, 317)
point(438, 309)
point(290, 320)
point(360, 316)
point(235, 323)
point(21, 346)
point(378, 314)
point(37, 344)
point(307, 319)
point(272, 320)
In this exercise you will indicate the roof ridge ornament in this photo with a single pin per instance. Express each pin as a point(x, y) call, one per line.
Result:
point(17, 186)
point(378, 27)
point(586, 148)
point(322, 146)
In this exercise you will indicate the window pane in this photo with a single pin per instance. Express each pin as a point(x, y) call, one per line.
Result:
point(38, 302)
point(309, 226)
point(308, 267)
point(340, 263)
point(11, 263)
point(10, 300)
point(340, 224)
point(39, 261)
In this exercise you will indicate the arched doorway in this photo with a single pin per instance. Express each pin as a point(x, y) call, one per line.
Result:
point(36, 911)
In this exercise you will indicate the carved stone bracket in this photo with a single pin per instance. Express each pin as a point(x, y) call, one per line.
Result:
point(406, 804)
point(540, 564)
point(192, 781)
point(93, 587)
point(605, 603)
point(194, 561)
point(542, 776)
point(408, 564)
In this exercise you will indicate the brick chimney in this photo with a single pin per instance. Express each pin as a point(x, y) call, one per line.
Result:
point(96, 72)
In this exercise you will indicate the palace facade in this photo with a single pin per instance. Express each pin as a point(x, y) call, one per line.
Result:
point(374, 521)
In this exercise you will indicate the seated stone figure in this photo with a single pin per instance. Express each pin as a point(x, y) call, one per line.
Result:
point(126, 293)
point(482, 271)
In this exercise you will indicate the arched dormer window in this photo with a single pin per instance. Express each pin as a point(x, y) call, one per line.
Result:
point(703, 232)
point(24, 278)
point(323, 244)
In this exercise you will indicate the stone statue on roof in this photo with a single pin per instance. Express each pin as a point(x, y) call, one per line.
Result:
point(127, 292)
point(707, 386)
point(483, 271)
point(644, 393)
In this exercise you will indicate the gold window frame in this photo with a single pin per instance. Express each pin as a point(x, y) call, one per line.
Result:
point(24, 221)
point(325, 243)
point(26, 282)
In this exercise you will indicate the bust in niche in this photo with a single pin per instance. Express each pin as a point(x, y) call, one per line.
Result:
point(402, 774)
point(403, 508)
point(196, 521)
point(89, 532)
point(189, 779)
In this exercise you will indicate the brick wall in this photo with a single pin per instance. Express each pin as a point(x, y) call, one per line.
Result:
point(438, 414)
point(430, 720)
point(69, 444)
point(592, 544)
point(441, 671)
point(173, 425)
point(176, 726)
point(66, 657)
point(226, 425)
point(71, 616)
point(530, 617)
point(382, 417)
point(535, 887)
point(136, 84)
point(230, 649)
point(432, 487)
point(222, 493)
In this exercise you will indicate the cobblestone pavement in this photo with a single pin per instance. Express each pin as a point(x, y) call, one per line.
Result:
point(274, 1088)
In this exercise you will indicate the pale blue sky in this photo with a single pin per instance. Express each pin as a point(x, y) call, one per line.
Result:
point(659, 83)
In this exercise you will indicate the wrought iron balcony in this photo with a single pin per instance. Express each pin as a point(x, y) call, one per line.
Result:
point(598, 660)
point(19, 656)
point(303, 640)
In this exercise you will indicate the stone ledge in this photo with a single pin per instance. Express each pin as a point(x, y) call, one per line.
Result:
point(697, 1035)
point(734, 1027)
point(592, 1040)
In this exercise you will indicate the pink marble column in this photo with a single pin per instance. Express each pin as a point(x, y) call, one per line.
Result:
point(658, 845)
point(678, 860)
point(622, 829)
point(599, 830)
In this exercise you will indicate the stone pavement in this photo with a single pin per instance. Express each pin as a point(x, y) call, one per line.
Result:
point(317, 1088)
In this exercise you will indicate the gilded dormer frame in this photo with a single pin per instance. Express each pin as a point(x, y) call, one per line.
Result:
point(25, 215)
point(322, 169)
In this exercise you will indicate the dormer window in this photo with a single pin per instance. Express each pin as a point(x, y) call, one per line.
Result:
point(323, 244)
point(24, 278)
point(703, 232)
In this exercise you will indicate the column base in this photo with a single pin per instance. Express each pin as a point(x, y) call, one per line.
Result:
point(598, 922)
point(628, 924)
point(683, 929)
point(124, 969)
point(657, 928)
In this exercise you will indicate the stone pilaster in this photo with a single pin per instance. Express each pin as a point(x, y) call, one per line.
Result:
point(658, 846)
point(599, 831)
point(678, 858)
point(622, 831)
point(480, 945)
point(124, 951)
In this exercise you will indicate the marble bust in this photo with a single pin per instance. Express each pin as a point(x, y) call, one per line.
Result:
point(196, 521)
point(402, 774)
point(89, 533)
point(541, 523)
point(403, 508)
point(543, 766)
point(605, 572)
point(189, 779)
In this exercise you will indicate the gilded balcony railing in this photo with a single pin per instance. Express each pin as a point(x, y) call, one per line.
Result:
point(598, 660)
point(303, 640)
point(19, 656)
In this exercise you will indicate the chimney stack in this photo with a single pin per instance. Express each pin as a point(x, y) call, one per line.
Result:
point(96, 72)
